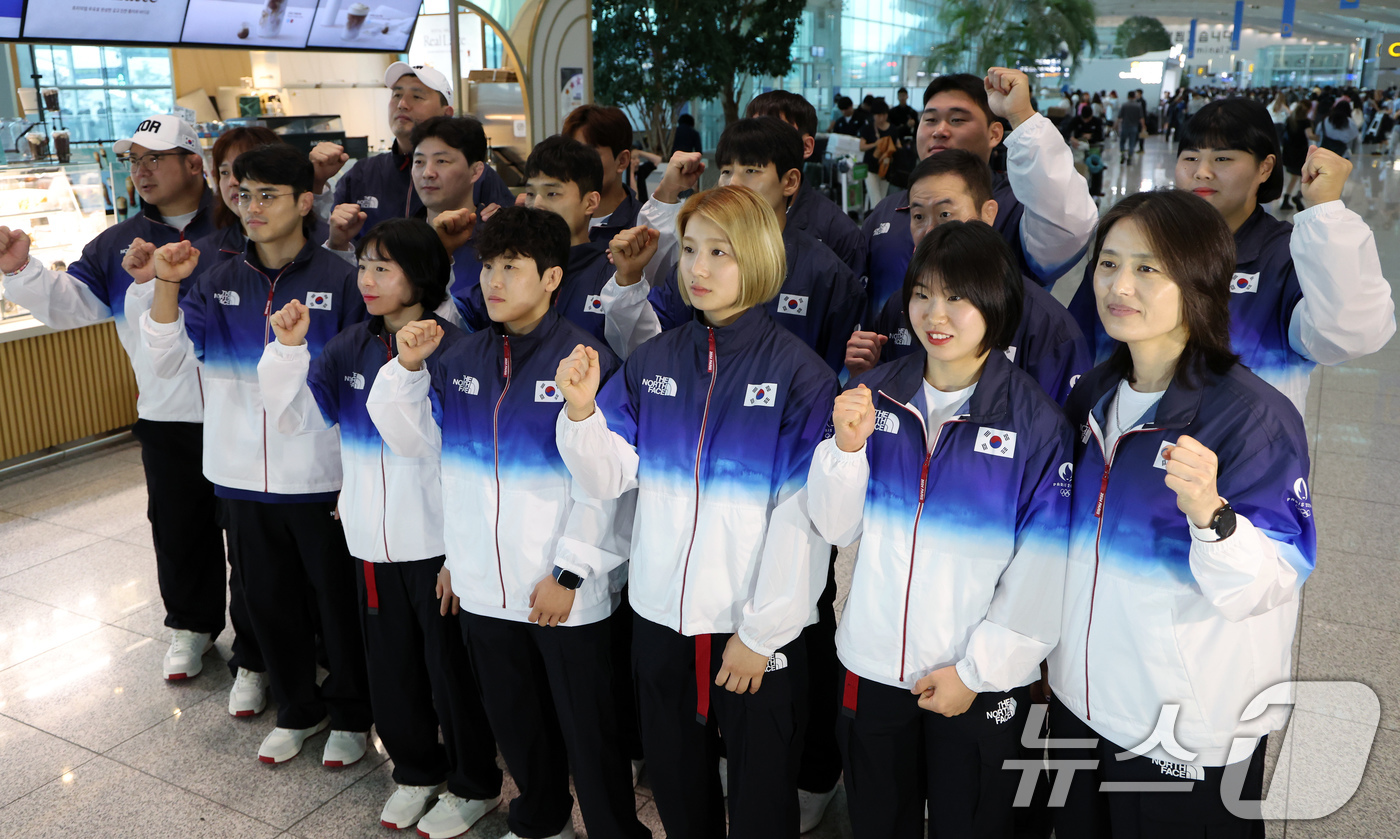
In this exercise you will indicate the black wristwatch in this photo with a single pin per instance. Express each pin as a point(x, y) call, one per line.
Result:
point(1223, 522)
point(572, 581)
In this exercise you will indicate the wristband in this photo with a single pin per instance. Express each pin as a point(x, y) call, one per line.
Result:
point(158, 277)
point(19, 270)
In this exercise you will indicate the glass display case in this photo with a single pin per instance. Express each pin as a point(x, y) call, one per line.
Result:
point(62, 208)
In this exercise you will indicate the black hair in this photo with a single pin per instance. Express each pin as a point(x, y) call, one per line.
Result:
point(903, 90)
point(464, 134)
point(971, 260)
point(758, 141)
point(964, 83)
point(527, 233)
point(1237, 125)
point(279, 165)
point(787, 106)
point(686, 119)
point(415, 246)
point(601, 126)
point(1340, 114)
point(879, 106)
point(567, 160)
point(1193, 243)
point(973, 170)
point(844, 102)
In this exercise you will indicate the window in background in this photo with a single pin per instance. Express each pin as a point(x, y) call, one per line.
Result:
point(104, 92)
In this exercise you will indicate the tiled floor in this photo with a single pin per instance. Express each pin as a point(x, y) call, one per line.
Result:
point(92, 741)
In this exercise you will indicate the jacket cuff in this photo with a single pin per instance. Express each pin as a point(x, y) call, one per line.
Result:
point(282, 351)
point(1029, 132)
point(839, 456)
point(749, 641)
point(161, 330)
point(1327, 210)
point(967, 671)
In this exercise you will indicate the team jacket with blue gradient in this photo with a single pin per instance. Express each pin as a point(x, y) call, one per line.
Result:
point(962, 535)
point(391, 506)
point(94, 289)
point(819, 217)
point(1044, 211)
point(382, 185)
point(513, 512)
point(620, 219)
point(1307, 293)
point(231, 243)
point(578, 297)
point(715, 429)
point(1154, 613)
point(821, 301)
point(1048, 343)
point(226, 321)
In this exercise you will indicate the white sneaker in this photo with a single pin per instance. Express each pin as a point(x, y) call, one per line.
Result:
point(454, 815)
point(283, 744)
point(637, 767)
point(185, 658)
point(724, 776)
point(408, 804)
point(566, 833)
point(344, 748)
point(812, 806)
point(248, 696)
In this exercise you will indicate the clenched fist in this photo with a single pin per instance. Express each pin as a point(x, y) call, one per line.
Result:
point(454, 228)
point(140, 261)
point(863, 351)
point(1009, 95)
point(327, 159)
point(417, 341)
point(290, 323)
point(1324, 175)
point(346, 221)
point(682, 173)
point(175, 262)
point(853, 417)
point(630, 251)
point(14, 249)
point(578, 377)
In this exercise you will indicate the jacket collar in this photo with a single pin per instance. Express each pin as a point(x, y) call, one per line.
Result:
point(1178, 408)
point(990, 402)
point(627, 208)
point(1249, 239)
point(206, 200)
point(737, 336)
point(305, 255)
point(376, 329)
point(581, 256)
point(524, 344)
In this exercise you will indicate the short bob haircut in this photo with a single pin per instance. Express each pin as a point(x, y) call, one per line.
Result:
point(415, 247)
point(568, 161)
point(1196, 250)
point(786, 106)
point(758, 141)
point(527, 233)
point(754, 238)
point(973, 171)
point(1237, 125)
point(230, 144)
point(971, 260)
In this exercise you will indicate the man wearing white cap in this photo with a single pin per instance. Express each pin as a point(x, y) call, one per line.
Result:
point(382, 185)
point(176, 205)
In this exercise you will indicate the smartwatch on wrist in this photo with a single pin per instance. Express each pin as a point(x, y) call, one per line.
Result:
point(572, 581)
point(1223, 522)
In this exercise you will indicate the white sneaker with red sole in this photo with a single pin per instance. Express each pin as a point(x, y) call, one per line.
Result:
point(283, 744)
point(345, 748)
point(409, 804)
point(454, 815)
point(248, 696)
point(185, 658)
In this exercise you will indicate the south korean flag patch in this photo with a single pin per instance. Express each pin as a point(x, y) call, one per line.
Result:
point(318, 300)
point(995, 442)
point(1244, 283)
point(792, 304)
point(547, 391)
point(764, 395)
point(593, 304)
point(1161, 461)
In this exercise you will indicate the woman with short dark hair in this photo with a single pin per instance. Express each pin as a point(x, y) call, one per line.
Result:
point(1190, 537)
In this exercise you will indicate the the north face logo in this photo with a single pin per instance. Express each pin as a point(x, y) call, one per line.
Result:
point(777, 661)
point(1185, 771)
point(227, 298)
point(468, 385)
point(660, 386)
point(883, 227)
point(886, 422)
point(901, 337)
point(356, 381)
point(369, 202)
point(1005, 711)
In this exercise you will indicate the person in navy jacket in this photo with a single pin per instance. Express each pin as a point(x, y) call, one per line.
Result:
point(1191, 534)
point(956, 185)
point(606, 130)
point(821, 301)
point(176, 206)
point(1301, 294)
point(714, 424)
point(942, 635)
point(391, 508)
point(1044, 209)
point(528, 555)
point(810, 211)
point(279, 491)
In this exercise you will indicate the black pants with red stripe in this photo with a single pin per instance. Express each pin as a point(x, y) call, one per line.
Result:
point(683, 713)
point(821, 757)
point(299, 581)
point(548, 692)
point(897, 756)
point(1197, 813)
point(420, 678)
point(188, 537)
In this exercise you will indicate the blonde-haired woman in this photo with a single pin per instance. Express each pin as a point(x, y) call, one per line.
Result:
point(714, 423)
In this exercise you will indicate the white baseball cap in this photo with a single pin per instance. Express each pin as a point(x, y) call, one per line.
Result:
point(161, 133)
point(435, 79)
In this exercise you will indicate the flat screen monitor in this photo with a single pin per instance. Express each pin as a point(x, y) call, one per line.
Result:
point(11, 12)
point(256, 24)
point(112, 21)
point(379, 25)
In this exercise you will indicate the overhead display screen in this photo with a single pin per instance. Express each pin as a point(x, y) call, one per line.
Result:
point(10, 13)
point(249, 23)
point(380, 25)
point(64, 21)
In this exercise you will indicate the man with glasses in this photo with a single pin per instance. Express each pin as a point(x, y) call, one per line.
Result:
point(382, 185)
point(279, 490)
point(176, 206)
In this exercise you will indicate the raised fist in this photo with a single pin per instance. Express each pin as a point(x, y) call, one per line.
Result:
point(290, 323)
point(417, 341)
point(853, 417)
point(174, 262)
point(346, 221)
point(630, 251)
point(140, 261)
point(578, 377)
point(454, 228)
point(14, 249)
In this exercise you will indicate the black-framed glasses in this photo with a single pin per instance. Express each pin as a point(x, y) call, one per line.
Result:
point(149, 162)
point(261, 198)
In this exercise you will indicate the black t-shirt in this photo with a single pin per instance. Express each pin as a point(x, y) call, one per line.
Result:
point(902, 114)
point(851, 125)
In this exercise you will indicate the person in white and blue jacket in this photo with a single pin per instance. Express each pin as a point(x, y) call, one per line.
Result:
point(1301, 294)
point(714, 424)
point(391, 508)
point(951, 466)
point(956, 185)
point(528, 555)
point(1191, 534)
point(279, 491)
